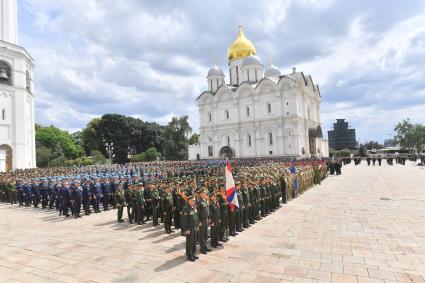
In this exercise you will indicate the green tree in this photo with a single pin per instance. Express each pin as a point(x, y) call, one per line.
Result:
point(91, 137)
point(151, 154)
point(362, 151)
point(98, 158)
point(58, 142)
point(57, 162)
point(116, 129)
point(194, 138)
point(141, 157)
point(176, 139)
point(344, 152)
point(410, 135)
point(44, 155)
point(77, 137)
point(151, 136)
point(372, 145)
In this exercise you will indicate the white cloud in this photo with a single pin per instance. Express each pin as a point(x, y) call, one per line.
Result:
point(149, 59)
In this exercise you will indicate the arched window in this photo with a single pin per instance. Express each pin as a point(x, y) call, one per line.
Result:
point(228, 141)
point(227, 114)
point(3, 114)
point(247, 112)
point(270, 138)
point(269, 108)
point(28, 80)
point(5, 73)
point(249, 141)
point(210, 117)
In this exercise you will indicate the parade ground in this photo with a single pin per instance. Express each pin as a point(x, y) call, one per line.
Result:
point(367, 225)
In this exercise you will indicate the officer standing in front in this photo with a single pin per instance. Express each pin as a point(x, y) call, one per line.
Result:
point(190, 227)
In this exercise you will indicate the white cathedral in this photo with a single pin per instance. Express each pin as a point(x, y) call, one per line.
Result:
point(259, 112)
point(17, 133)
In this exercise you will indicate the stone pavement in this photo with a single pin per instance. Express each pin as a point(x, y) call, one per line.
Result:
point(367, 225)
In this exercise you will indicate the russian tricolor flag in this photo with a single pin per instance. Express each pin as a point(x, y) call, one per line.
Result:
point(231, 197)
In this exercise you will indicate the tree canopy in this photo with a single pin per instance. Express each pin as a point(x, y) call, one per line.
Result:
point(372, 145)
point(53, 143)
point(176, 139)
point(144, 141)
point(410, 135)
point(194, 138)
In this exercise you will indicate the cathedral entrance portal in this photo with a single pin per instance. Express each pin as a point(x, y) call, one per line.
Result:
point(227, 152)
point(5, 158)
point(313, 135)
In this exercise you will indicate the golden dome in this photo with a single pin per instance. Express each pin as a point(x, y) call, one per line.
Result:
point(241, 47)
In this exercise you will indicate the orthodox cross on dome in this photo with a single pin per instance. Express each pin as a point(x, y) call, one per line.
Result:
point(214, 58)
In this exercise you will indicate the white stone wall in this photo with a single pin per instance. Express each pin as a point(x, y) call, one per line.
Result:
point(194, 151)
point(17, 129)
point(8, 21)
point(285, 109)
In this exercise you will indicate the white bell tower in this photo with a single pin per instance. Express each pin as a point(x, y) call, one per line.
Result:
point(17, 131)
point(9, 21)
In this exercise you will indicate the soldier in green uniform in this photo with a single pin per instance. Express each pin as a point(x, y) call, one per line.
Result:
point(133, 201)
point(3, 192)
point(257, 197)
point(240, 209)
point(177, 207)
point(155, 204)
point(203, 214)
point(215, 220)
point(224, 214)
point(148, 200)
point(140, 204)
point(251, 214)
point(317, 177)
point(161, 192)
point(263, 195)
point(120, 201)
point(190, 227)
point(247, 204)
point(128, 199)
point(168, 206)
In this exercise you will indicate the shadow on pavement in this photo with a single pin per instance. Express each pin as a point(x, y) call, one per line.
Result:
point(169, 237)
point(169, 264)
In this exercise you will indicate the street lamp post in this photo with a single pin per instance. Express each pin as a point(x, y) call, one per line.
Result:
point(110, 150)
point(129, 153)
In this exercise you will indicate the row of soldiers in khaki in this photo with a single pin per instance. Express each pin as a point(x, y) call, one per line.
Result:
point(259, 187)
point(7, 190)
point(194, 205)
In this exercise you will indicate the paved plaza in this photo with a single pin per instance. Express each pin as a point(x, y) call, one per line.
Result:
point(367, 225)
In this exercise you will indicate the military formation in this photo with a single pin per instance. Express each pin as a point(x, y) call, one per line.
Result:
point(186, 196)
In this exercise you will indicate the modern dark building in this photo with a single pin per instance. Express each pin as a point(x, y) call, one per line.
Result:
point(341, 136)
point(390, 143)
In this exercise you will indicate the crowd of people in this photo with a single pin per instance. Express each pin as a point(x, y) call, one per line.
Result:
point(189, 196)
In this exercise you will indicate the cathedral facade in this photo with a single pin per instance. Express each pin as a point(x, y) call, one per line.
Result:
point(259, 112)
point(17, 133)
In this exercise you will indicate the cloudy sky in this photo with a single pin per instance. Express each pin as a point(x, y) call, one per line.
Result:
point(149, 58)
